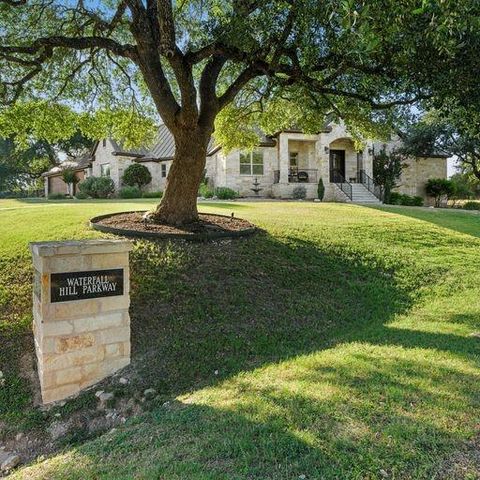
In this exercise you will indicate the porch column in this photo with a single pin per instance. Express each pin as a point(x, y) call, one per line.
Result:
point(323, 160)
point(283, 160)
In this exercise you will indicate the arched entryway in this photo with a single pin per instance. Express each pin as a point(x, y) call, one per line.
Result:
point(344, 160)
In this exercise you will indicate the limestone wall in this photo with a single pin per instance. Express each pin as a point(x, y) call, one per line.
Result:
point(418, 171)
point(79, 342)
point(224, 171)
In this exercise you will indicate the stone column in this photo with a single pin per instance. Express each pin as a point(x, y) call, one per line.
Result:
point(284, 160)
point(80, 313)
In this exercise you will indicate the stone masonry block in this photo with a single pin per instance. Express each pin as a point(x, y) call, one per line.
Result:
point(99, 322)
point(81, 335)
point(113, 335)
point(74, 342)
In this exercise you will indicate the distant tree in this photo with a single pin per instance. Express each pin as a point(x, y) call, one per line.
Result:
point(69, 176)
point(137, 175)
point(20, 169)
point(387, 169)
point(22, 161)
point(464, 187)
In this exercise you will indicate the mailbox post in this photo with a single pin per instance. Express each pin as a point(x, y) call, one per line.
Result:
point(81, 322)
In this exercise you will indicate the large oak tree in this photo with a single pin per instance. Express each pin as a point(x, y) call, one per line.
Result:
point(273, 61)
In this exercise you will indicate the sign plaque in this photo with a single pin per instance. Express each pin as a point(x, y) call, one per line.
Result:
point(65, 287)
point(81, 323)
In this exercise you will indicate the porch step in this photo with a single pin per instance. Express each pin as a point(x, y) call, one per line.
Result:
point(360, 194)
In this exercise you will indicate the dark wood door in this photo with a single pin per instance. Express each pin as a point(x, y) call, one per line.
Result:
point(337, 165)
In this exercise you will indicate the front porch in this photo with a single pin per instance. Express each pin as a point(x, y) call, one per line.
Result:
point(305, 159)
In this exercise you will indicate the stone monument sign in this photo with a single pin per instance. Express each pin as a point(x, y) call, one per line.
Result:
point(80, 313)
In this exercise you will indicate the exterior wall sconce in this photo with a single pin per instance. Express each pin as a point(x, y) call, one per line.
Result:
point(371, 151)
point(326, 149)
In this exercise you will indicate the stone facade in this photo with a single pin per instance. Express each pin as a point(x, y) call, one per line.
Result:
point(416, 173)
point(79, 342)
point(313, 157)
point(104, 154)
point(312, 154)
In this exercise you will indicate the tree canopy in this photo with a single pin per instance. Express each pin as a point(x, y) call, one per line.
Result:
point(238, 64)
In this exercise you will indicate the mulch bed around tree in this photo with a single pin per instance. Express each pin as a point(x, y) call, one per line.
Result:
point(209, 226)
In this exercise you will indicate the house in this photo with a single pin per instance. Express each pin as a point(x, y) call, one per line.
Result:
point(280, 164)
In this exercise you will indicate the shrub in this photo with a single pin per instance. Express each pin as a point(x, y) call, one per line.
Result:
point(403, 199)
point(471, 205)
point(137, 175)
point(418, 201)
point(299, 193)
point(56, 196)
point(81, 196)
point(158, 194)
point(130, 192)
point(321, 189)
point(395, 198)
point(438, 188)
point(205, 191)
point(97, 187)
point(225, 193)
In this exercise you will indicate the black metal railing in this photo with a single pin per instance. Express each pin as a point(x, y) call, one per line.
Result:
point(370, 185)
point(338, 179)
point(302, 175)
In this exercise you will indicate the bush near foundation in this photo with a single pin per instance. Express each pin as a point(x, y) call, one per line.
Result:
point(407, 200)
point(205, 191)
point(299, 193)
point(225, 193)
point(97, 187)
point(130, 192)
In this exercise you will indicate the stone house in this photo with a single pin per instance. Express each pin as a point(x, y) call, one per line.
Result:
point(280, 164)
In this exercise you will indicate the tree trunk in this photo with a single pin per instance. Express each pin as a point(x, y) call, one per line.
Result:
point(179, 201)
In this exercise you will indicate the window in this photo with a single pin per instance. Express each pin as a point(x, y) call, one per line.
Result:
point(104, 143)
point(105, 170)
point(164, 170)
point(251, 163)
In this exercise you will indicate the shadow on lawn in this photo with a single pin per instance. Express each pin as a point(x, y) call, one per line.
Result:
point(369, 397)
point(237, 305)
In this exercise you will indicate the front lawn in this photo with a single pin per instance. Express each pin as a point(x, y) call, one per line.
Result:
point(335, 344)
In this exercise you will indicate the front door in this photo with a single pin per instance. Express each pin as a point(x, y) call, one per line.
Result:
point(337, 165)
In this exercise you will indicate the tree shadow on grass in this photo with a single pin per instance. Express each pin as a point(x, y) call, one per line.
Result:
point(350, 412)
point(235, 305)
point(293, 364)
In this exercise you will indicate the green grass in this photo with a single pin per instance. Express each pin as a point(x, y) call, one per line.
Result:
point(341, 336)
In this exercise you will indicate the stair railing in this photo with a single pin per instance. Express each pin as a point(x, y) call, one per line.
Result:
point(342, 184)
point(370, 185)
